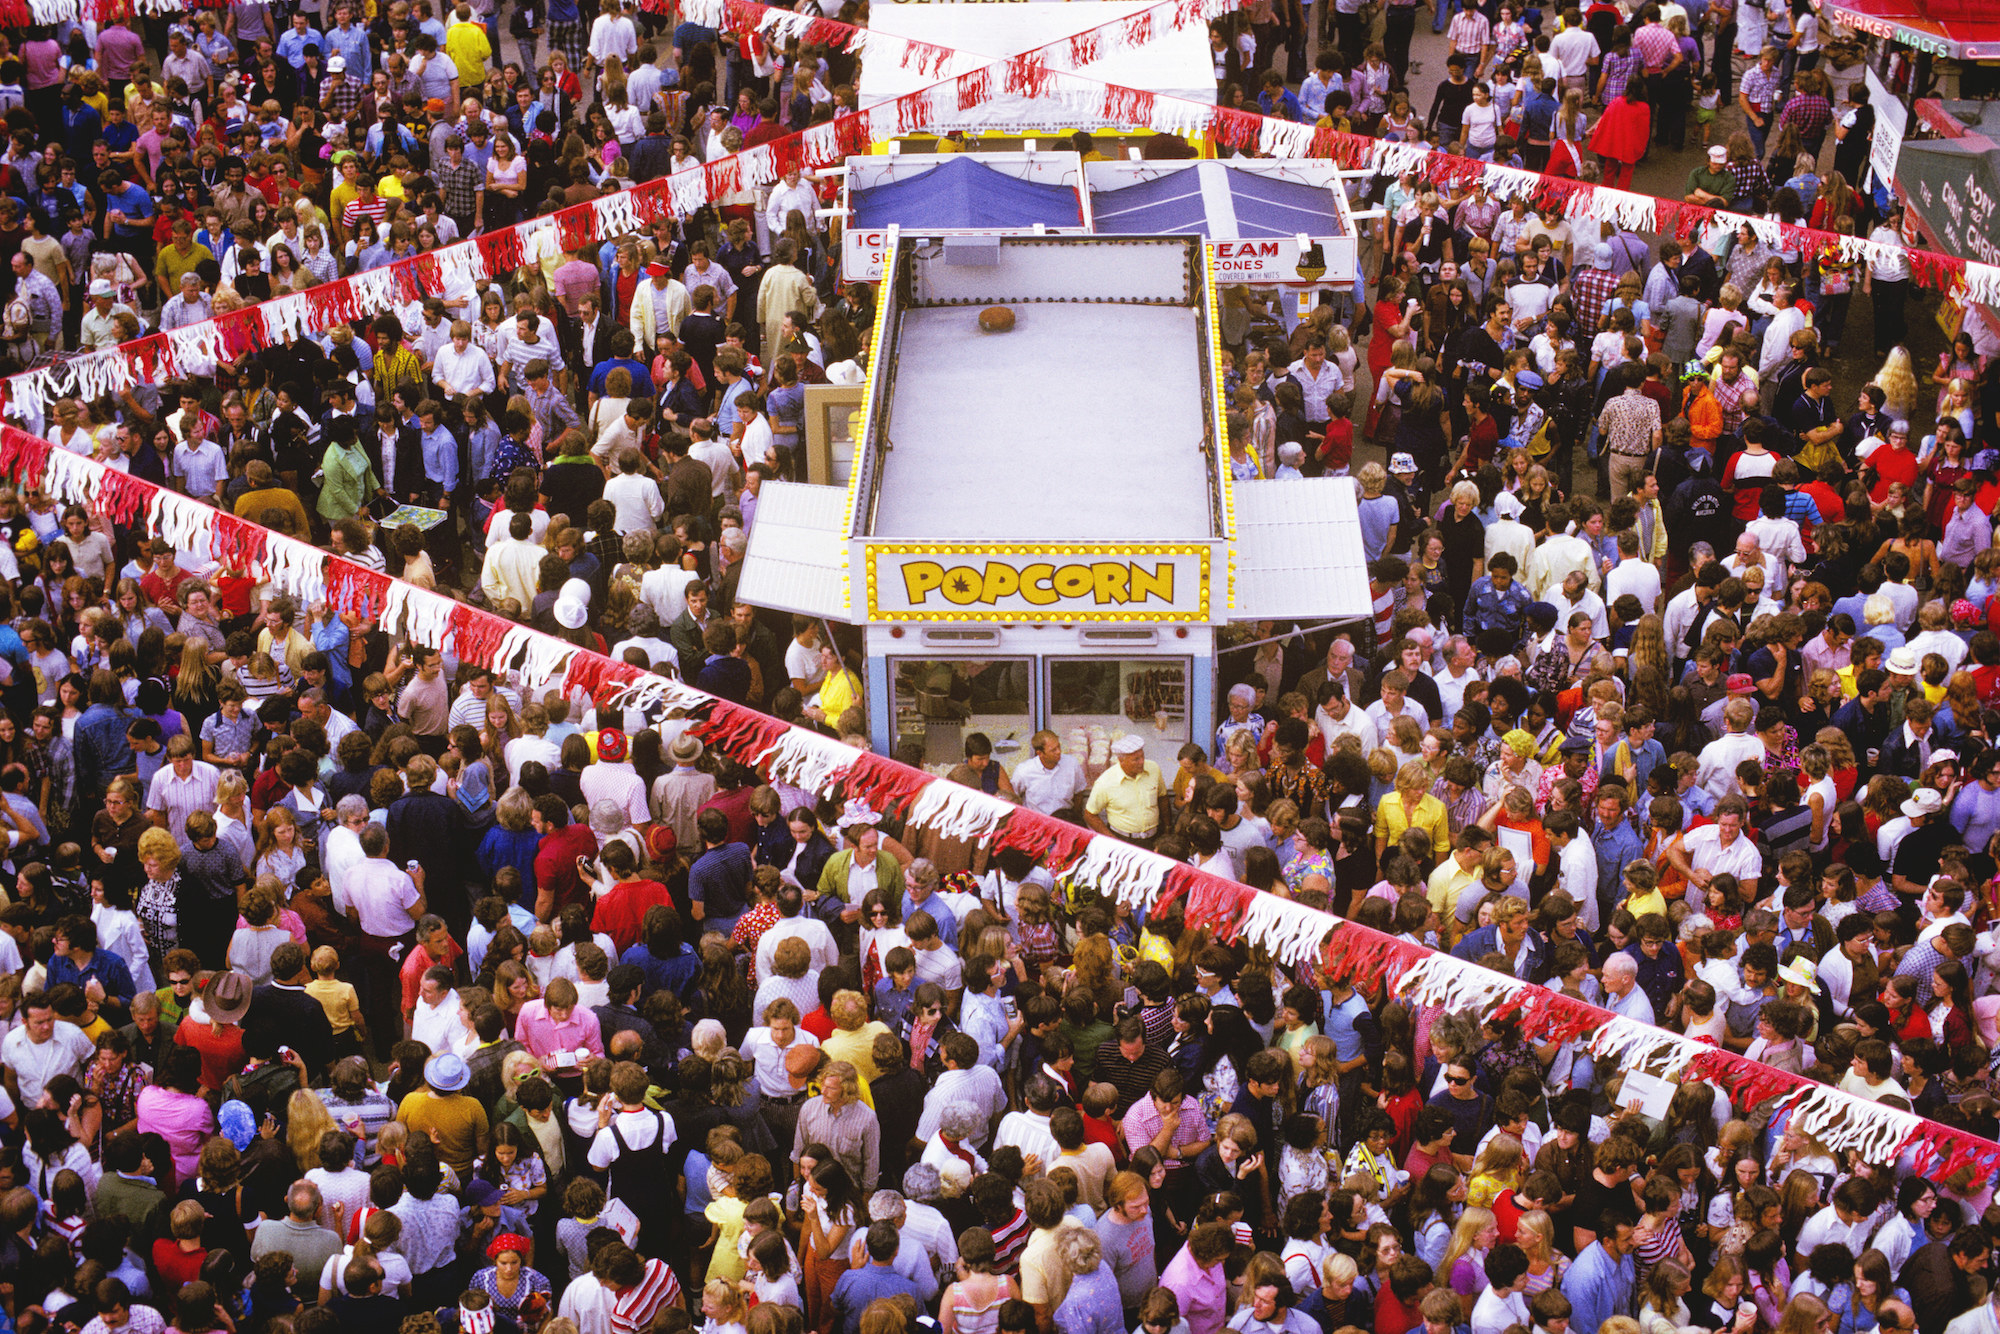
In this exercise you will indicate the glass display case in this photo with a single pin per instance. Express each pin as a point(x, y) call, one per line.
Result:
point(939, 701)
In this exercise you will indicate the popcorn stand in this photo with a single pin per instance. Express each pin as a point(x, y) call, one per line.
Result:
point(1040, 529)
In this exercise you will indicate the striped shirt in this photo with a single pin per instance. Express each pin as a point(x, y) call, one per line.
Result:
point(1470, 33)
point(633, 1309)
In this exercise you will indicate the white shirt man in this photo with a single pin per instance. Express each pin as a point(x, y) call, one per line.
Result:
point(1457, 675)
point(1574, 49)
point(764, 1050)
point(1640, 578)
point(1337, 717)
point(1621, 989)
point(1781, 544)
point(1551, 562)
point(176, 794)
point(979, 1086)
point(1029, 1131)
point(380, 892)
point(1049, 787)
point(811, 930)
point(788, 194)
point(1716, 772)
point(636, 499)
point(1943, 643)
point(1577, 875)
point(40, 1049)
point(1706, 850)
point(1587, 602)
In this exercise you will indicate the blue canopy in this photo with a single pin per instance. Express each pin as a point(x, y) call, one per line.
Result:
point(1176, 205)
point(965, 193)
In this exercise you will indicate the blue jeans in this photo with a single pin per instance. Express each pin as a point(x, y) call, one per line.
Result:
point(1444, 10)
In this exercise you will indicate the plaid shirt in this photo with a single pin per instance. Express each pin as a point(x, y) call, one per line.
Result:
point(1589, 290)
point(1809, 113)
point(1655, 46)
point(1618, 71)
point(1470, 33)
point(1760, 87)
point(1731, 398)
point(1143, 1122)
point(1470, 805)
point(1628, 422)
point(340, 99)
point(1750, 179)
point(459, 185)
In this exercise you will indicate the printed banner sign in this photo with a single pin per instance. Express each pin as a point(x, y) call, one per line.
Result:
point(1329, 260)
point(1038, 583)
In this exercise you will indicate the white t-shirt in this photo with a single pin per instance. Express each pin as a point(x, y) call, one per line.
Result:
point(34, 1064)
point(1574, 48)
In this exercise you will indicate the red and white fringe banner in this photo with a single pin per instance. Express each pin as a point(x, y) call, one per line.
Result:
point(1295, 935)
point(194, 350)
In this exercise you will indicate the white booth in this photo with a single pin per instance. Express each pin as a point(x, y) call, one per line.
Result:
point(1040, 529)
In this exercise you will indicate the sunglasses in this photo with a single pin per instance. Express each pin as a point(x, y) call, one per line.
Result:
point(1456, 1079)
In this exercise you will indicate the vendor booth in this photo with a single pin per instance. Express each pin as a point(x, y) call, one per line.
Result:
point(1040, 530)
point(1177, 63)
point(1271, 224)
point(954, 194)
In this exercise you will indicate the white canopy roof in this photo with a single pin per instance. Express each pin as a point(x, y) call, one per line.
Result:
point(1176, 62)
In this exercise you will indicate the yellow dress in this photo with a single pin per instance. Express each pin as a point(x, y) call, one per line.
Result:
point(726, 1212)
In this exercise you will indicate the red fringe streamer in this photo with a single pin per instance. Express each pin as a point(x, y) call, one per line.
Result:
point(739, 733)
point(1372, 960)
point(121, 497)
point(1935, 271)
point(241, 332)
point(1084, 48)
point(882, 784)
point(1235, 129)
point(928, 57)
point(722, 177)
point(477, 634)
point(238, 543)
point(1360, 956)
point(23, 457)
point(430, 274)
point(1048, 840)
point(501, 250)
point(146, 356)
point(1028, 76)
point(975, 89)
point(577, 226)
point(355, 588)
point(1137, 30)
point(331, 303)
point(1127, 106)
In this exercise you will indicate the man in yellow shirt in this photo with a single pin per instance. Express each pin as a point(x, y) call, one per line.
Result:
point(1456, 874)
point(1411, 806)
point(468, 48)
point(442, 1111)
point(1125, 799)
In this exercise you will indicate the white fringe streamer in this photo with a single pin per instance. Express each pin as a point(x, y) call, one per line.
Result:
point(1131, 875)
point(952, 810)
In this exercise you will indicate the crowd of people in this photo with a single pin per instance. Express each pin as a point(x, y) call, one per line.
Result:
point(347, 987)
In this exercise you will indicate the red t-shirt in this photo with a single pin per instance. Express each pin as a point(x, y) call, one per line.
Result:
point(417, 964)
point(221, 1053)
point(176, 1266)
point(620, 912)
point(1891, 465)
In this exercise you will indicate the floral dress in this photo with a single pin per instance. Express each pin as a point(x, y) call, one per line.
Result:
point(1308, 863)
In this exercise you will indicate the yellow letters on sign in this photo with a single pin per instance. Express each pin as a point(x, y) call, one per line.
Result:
point(1105, 583)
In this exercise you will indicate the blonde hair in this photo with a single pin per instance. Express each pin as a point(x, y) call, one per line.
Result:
point(1475, 1220)
point(306, 1120)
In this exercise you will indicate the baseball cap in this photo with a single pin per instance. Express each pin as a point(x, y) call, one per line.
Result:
point(102, 287)
point(657, 270)
point(1740, 683)
point(336, 65)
